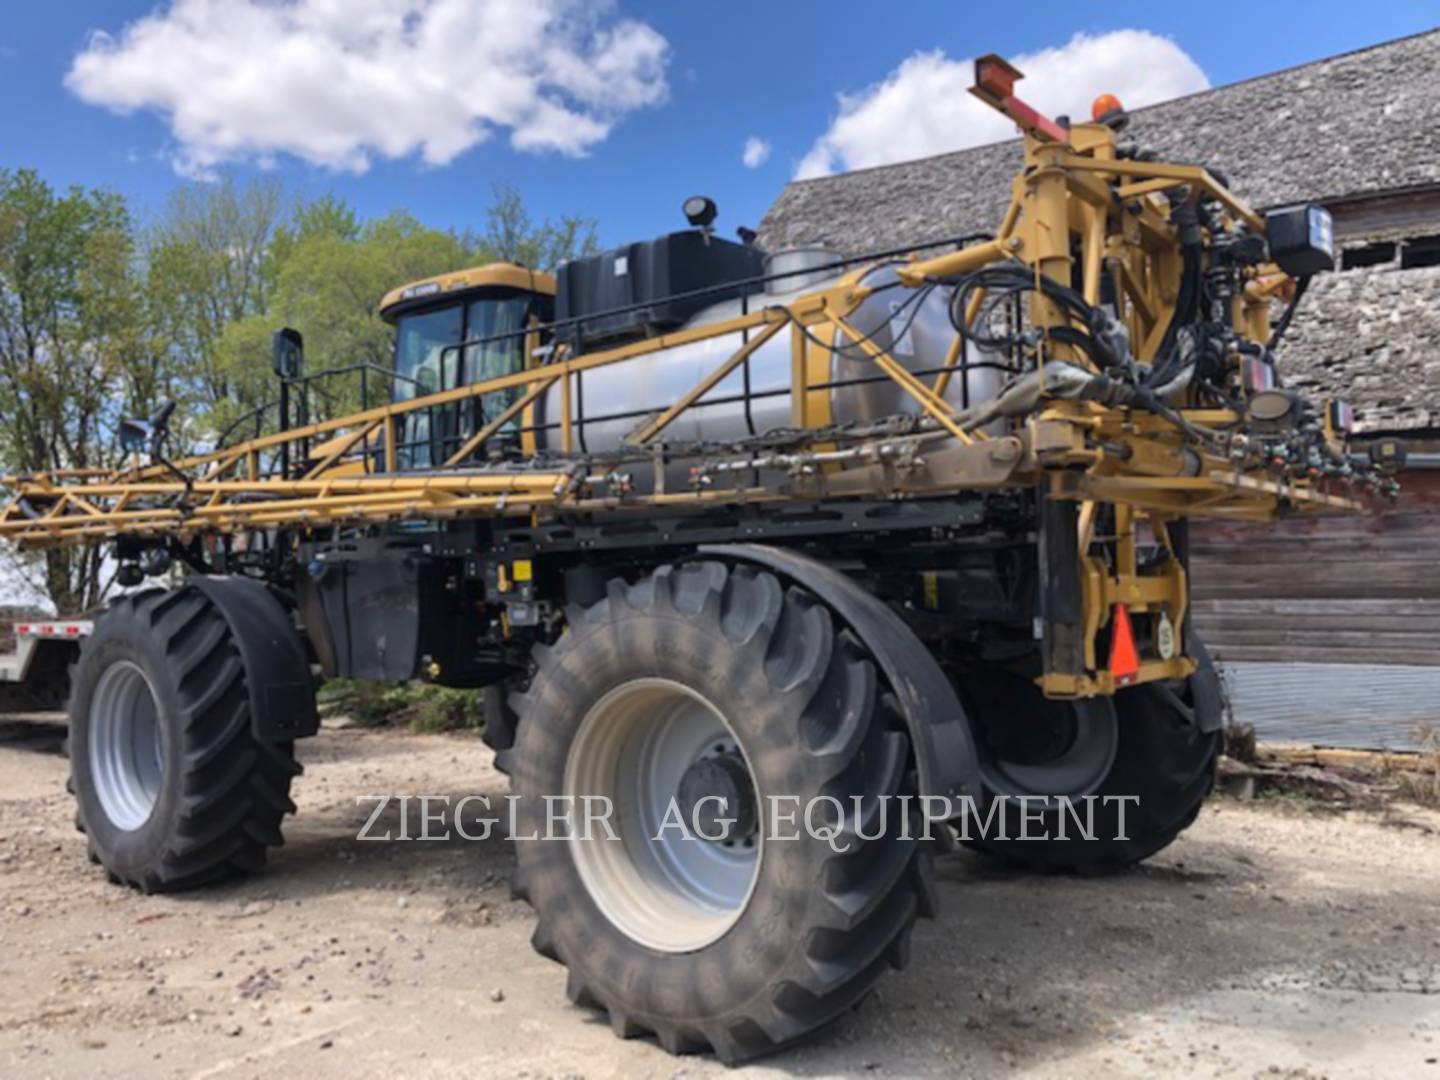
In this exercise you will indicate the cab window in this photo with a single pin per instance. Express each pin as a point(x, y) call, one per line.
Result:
point(488, 359)
point(420, 346)
point(424, 361)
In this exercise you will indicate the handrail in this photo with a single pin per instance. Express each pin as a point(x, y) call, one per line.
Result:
point(724, 287)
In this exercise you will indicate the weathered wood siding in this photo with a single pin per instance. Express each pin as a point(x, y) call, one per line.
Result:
point(1329, 627)
point(1361, 589)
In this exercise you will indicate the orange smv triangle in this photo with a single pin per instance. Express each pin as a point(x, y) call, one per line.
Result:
point(1124, 659)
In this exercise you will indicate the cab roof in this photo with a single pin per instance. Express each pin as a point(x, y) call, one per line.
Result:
point(501, 275)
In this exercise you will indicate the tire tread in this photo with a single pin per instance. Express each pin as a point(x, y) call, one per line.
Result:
point(871, 896)
point(234, 789)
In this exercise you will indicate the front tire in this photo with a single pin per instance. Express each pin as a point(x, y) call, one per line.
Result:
point(707, 678)
point(171, 787)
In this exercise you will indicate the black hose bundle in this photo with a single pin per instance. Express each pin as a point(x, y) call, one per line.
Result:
point(1172, 355)
point(1284, 323)
point(1096, 333)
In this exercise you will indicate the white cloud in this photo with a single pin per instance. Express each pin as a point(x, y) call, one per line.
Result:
point(756, 152)
point(342, 82)
point(923, 107)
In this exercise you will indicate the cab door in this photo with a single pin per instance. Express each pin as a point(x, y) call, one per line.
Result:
point(427, 353)
point(495, 332)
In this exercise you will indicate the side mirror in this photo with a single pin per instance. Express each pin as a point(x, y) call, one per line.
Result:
point(135, 436)
point(288, 348)
point(139, 436)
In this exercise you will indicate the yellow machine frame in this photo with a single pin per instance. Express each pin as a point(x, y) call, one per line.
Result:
point(1074, 193)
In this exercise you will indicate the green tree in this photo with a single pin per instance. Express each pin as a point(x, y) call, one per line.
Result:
point(331, 271)
point(329, 286)
point(327, 216)
point(71, 346)
point(92, 329)
point(211, 261)
point(510, 235)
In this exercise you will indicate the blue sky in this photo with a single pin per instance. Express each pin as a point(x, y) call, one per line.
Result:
point(686, 85)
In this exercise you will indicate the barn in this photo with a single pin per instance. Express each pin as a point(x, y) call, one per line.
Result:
point(1327, 630)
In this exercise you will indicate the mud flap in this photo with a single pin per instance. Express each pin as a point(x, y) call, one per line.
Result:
point(1206, 689)
point(277, 669)
point(945, 754)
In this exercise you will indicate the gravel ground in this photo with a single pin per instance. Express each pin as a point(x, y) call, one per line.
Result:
point(1272, 940)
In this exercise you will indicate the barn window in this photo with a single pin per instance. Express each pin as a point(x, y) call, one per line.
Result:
point(1419, 252)
point(1367, 255)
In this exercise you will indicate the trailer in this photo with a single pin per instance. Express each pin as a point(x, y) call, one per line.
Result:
point(35, 675)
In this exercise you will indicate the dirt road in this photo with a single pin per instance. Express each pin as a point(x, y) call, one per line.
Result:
point(1271, 940)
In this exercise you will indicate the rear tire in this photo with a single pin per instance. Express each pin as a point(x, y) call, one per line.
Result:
point(171, 787)
point(1143, 744)
point(737, 664)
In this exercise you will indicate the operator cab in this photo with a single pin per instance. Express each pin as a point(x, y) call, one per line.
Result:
point(455, 330)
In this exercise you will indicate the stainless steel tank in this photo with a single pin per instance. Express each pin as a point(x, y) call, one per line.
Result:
point(608, 403)
point(798, 269)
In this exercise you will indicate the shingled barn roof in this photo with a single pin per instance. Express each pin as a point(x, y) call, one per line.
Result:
point(1357, 130)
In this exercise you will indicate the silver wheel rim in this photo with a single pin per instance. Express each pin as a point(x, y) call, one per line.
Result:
point(126, 758)
point(1077, 772)
point(671, 892)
